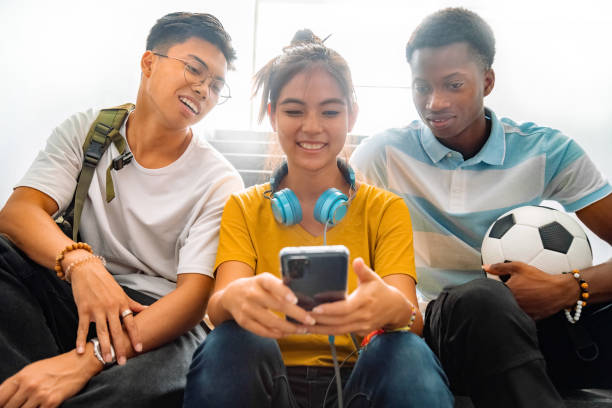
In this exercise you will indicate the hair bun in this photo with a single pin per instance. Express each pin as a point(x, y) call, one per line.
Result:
point(305, 36)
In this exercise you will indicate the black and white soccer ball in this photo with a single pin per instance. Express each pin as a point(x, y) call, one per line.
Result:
point(543, 237)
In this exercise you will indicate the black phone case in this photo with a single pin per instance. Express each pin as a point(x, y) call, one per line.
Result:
point(315, 275)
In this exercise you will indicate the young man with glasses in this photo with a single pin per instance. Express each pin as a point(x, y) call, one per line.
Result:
point(458, 169)
point(153, 244)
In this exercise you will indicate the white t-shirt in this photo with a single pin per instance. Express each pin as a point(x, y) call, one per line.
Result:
point(161, 223)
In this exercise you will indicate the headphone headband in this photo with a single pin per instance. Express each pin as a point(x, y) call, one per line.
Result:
point(329, 209)
point(281, 171)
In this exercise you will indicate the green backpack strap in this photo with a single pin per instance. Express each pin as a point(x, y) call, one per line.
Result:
point(103, 131)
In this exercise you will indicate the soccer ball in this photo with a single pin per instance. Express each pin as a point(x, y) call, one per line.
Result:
point(542, 237)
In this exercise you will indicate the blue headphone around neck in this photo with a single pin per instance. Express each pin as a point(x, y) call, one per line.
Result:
point(330, 207)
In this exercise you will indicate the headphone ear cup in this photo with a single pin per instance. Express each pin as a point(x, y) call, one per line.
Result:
point(286, 207)
point(331, 206)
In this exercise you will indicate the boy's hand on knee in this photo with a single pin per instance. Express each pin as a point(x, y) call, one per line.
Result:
point(538, 293)
point(100, 299)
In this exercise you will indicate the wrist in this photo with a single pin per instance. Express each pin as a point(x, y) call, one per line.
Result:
point(78, 265)
point(218, 309)
point(69, 252)
point(88, 363)
point(405, 312)
point(569, 291)
point(74, 256)
point(97, 352)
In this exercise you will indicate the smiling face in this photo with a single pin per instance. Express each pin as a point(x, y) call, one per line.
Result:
point(165, 91)
point(449, 84)
point(312, 118)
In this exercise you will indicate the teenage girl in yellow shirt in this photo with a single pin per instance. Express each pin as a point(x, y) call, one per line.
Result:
point(255, 356)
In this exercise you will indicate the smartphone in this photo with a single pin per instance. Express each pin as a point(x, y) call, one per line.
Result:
point(315, 274)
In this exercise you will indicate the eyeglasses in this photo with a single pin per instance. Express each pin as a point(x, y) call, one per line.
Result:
point(197, 73)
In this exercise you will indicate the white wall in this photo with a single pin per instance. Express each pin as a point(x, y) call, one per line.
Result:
point(64, 56)
point(553, 62)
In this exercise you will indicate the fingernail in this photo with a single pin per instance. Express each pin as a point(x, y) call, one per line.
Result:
point(310, 321)
point(121, 360)
point(317, 309)
point(80, 350)
point(302, 330)
point(139, 347)
point(108, 358)
point(485, 267)
point(291, 298)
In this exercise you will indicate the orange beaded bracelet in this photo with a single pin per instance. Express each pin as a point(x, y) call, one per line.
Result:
point(582, 298)
point(60, 257)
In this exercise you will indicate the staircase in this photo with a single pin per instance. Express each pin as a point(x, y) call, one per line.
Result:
point(256, 154)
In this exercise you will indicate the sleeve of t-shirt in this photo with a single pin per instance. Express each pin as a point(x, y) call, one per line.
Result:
point(575, 182)
point(56, 168)
point(198, 252)
point(369, 160)
point(235, 242)
point(394, 252)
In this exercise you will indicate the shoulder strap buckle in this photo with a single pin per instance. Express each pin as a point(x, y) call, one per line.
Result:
point(122, 160)
point(97, 145)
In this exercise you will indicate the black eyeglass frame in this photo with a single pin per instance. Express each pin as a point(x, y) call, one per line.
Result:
point(221, 99)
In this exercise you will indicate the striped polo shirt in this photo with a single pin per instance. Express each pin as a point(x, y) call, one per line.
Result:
point(453, 201)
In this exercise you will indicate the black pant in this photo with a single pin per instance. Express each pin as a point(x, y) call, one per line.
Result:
point(579, 355)
point(495, 353)
point(39, 320)
point(39, 316)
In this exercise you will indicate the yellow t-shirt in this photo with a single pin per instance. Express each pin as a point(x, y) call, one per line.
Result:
point(376, 227)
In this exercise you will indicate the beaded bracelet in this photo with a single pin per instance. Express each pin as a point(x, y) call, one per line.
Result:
point(408, 327)
point(80, 262)
point(60, 257)
point(581, 302)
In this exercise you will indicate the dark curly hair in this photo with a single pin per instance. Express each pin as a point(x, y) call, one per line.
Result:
point(176, 28)
point(454, 25)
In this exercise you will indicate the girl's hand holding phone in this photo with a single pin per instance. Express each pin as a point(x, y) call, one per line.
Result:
point(373, 305)
point(253, 302)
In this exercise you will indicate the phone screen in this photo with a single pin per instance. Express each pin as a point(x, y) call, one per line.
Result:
point(315, 274)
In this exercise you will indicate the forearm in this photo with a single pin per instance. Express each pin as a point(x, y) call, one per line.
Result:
point(599, 278)
point(404, 307)
point(403, 298)
point(229, 274)
point(216, 312)
point(566, 290)
point(172, 315)
point(25, 223)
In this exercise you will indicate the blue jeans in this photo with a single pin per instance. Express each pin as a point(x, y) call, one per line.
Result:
point(236, 368)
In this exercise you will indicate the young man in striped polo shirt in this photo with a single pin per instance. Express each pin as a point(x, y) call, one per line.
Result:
point(459, 168)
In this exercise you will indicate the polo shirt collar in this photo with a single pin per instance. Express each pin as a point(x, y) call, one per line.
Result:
point(493, 151)
point(434, 149)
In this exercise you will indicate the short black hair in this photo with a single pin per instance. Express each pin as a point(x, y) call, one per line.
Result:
point(176, 28)
point(454, 25)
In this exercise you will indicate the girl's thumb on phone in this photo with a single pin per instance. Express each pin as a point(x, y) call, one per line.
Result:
point(363, 272)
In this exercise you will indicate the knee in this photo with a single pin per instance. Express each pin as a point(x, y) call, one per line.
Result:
point(399, 360)
point(229, 344)
point(405, 356)
point(481, 299)
point(484, 309)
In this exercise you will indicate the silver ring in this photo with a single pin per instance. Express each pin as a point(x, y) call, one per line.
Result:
point(126, 313)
